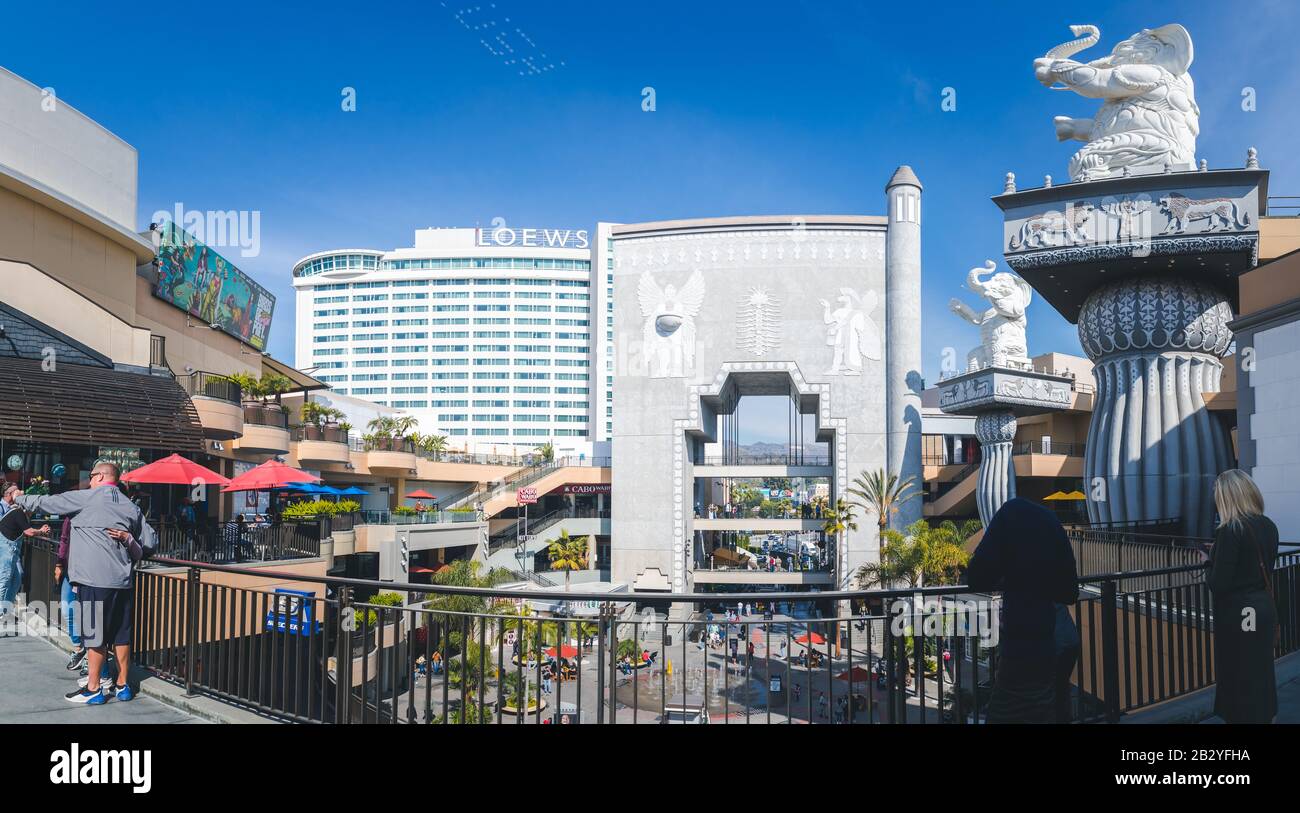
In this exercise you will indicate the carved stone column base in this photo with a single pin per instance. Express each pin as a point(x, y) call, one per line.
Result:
point(996, 432)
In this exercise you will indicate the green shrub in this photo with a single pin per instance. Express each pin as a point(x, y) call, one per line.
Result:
point(404, 511)
point(385, 599)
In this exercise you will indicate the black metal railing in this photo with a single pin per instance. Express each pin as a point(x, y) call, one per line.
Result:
point(433, 660)
point(1037, 447)
point(211, 385)
point(236, 542)
point(266, 415)
point(381, 444)
point(327, 434)
point(334, 651)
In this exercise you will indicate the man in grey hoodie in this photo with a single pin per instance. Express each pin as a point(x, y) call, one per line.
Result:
point(109, 534)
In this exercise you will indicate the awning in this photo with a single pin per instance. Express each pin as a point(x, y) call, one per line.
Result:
point(80, 405)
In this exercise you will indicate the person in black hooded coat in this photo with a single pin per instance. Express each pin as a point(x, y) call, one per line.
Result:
point(1025, 555)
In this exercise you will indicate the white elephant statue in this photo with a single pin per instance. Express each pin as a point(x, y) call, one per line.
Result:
point(1002, 327)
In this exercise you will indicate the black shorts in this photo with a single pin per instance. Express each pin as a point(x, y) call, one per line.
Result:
point(104, 615)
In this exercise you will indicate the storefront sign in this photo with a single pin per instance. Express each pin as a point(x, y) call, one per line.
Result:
point(526, 496)
point(292, 612)
point(585, 488)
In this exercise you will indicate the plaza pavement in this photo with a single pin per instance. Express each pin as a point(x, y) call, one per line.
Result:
point(34, 682)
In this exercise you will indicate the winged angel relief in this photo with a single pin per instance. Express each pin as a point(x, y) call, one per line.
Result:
point(669, 333)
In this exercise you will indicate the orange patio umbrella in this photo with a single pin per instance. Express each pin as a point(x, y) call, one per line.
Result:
point(420, 494)
point(566, 652)
point(857, 674)
point(175, 470)
point(271, 474)
point(815, 638)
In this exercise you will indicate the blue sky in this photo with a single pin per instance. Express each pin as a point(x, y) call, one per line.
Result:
point(793, 107)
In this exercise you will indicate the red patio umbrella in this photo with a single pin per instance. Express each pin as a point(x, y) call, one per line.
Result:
point(816, 639)
point(566, 652)
point(271, 474)
point(420, 494)
point(857, 674)
point(175, 470)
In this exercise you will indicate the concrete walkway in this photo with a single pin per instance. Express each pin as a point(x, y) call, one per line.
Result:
point(34, 683)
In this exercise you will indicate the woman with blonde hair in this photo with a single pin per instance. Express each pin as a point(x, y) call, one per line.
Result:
point(1240, 576)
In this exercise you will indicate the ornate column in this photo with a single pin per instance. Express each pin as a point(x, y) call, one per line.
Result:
point(996, 432)
point(1154, 450)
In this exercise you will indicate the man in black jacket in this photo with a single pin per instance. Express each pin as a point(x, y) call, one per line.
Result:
point(1025, 555)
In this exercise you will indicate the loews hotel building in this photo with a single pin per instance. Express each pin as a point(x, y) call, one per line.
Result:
point(495, 337)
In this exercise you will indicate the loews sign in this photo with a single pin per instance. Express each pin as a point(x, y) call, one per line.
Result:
point(506, 237)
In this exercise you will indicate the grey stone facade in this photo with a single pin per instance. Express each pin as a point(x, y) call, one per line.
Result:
point(709, 310)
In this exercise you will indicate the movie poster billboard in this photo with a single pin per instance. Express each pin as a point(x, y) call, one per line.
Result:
point(198, 280)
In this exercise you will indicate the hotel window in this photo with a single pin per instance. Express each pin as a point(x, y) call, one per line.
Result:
point(532, 376)
point(453, 418)
point(573, 322)
point(531, 348)
point(370, 323)
point(415, 335)
point(532, 362)
point(568, 348)
point(491, 390)
point(369, 351)
point(492, 404)
point(572, 391)
point(491, 320)
point(370, 390)
point(327, 339)
point(370, 297)
point(573, 296)
point(572, 283)
point(451, 348)
point(491, 348)
point(532, 390)
point(531, 433)
point(411, 348)
point(411, 296)
point(410, 404)
point(572, 405)
point(576, 433)
point(448, 405)
point(457, 432)
point(411, 309)
point(449, 308)
point(329, 300)
point(373, 363)
point(410, 390)
point(571, 309)
point(571, 376)
point(452, 295)
point(408, 362)
point(572, 363)
point(363, 285)
point(368, 311)
point(491, 376)
point(532, 294)
point(532, 419)
point(410, 376)
point(333, 312)
point(448, 362)
point(488, 308)
point(532, 404)
point(451, 334)
point(531, 321)
point(448, 390)
point(533, 308)
point(532, 334)
point(410, 322)
point(571, 418)
point(369, 337)
point(491, 432)
point(463, 320)
point(491, 418)
point(492, 334)
point(330, 351)
point(370, 377)
point(492, 362)
point(450, 376)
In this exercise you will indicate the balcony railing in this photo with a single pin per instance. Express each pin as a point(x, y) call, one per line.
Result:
point(767, 460)
point(211, 385)
point(418, 518)
point(328, 434)
point(381, 445)
point(266, 415)
point(295, 657)
point(1037, 447)
point(235, 542)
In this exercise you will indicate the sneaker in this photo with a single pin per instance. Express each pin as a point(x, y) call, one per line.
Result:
point(105, 679)
point(86, 698)
point(77, 660)
point(123, 693)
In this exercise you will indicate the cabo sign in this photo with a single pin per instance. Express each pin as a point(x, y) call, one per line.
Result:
point(506, 237)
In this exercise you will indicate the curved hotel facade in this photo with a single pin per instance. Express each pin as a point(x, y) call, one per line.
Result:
point(488, 336)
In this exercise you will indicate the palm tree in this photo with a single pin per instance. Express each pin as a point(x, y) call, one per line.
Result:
point(839, 520)
point(403, 426)
point(882, 493)
point(435, 445)
point(547, 452)
point(924, 556)
point(568, 555)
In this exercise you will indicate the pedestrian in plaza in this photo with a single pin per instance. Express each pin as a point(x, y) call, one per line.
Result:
point(1025, 555)
point(1240, 577)
point(109, 535)
point(68, 597)
point(795, 689)
point(840, 705)
point(15, 525)
point(821, 705)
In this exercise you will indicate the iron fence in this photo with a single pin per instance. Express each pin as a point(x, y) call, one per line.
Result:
point(235, 542)
point(333, 650)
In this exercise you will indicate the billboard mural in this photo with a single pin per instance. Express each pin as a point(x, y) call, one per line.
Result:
point(195, 278)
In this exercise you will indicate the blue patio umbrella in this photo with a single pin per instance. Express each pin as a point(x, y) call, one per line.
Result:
point(329, 490)
point(354, 491)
